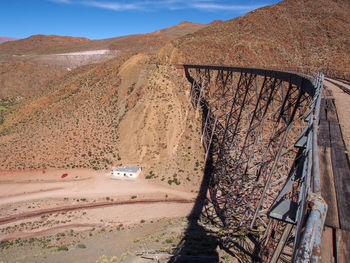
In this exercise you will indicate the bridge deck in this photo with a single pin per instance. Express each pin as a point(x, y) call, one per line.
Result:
point(335, 173)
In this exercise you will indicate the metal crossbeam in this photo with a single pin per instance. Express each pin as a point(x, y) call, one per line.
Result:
point(257, 129)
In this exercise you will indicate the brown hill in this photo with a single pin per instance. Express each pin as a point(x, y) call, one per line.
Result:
point(125, 111)
point(216, 22)
point(5, 39)
point(38, 44)
point(133, 110)
point(22, 80)
point(292, 33)
point(148, 42)
point(180, 29)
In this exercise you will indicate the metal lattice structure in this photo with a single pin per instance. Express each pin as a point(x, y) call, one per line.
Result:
point(257, 131)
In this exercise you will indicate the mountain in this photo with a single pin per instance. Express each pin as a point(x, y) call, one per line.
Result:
point(180, 29)
point(134, 110)
point(5, 39)
point(23, 80)
point(28, 66)
point(38, 44)
point(128, 110)
point(293, 33)
point(148, 42)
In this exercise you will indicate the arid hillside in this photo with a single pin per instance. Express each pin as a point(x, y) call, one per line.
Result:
point(148, 42)
point(126, 111)
point(5, 39)
point(180, 29)
point(294, 33)
point(38, 44)
point(20, 79)
point(134, 110)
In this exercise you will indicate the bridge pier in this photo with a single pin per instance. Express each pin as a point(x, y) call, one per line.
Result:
point(257, 130)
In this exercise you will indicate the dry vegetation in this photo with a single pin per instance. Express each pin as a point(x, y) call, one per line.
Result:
point(134, 109)
point(26, 79)
point(127, 110)
point(149, 42)
point(100, 116)
point(294, 33)
point(38, 44)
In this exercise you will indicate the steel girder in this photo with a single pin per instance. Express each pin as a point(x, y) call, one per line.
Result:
point(252, 123)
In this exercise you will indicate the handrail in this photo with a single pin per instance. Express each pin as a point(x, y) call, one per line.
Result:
point(309, 248)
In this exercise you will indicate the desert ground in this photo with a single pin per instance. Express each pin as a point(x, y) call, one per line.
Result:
point(51, 217)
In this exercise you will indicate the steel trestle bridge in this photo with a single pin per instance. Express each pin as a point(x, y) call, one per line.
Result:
point(259, 133)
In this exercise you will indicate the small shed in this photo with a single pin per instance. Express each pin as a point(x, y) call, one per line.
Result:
point(127, 172)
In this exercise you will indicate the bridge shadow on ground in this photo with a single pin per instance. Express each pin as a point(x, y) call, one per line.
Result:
point(203, 238)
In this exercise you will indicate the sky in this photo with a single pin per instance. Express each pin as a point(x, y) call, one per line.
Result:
point(97, 19)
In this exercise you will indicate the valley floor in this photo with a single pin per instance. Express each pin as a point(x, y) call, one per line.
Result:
point(44, 214)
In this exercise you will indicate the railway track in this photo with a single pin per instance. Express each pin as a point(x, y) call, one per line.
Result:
point(342, 87)
point(16, 217)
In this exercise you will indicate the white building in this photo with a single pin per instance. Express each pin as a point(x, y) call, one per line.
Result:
point(127, 172)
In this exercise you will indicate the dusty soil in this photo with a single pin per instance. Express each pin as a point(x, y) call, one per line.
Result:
point(110, 244)
point(127, 111)
point(40, 213)
point(75, 59)
point(81, 199)
point(39, 207)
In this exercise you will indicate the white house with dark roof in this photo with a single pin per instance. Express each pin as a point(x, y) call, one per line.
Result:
point(127, 172)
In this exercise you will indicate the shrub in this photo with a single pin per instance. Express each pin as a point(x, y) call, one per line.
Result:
point(81, 246)
point(62, 248)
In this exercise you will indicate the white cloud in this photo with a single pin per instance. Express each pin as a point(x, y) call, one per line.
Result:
point(61, 1)
point(148, 5)
point(214, 6)
point(113, 5)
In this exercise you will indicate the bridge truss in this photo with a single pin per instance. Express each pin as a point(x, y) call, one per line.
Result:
point(259, 132)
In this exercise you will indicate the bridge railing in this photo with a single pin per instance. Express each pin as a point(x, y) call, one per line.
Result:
point(249, 155)
point(308, 250)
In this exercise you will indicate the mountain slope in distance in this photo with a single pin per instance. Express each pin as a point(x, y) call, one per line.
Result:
point(6, 39)
point(147, 42)
point(303, 34)
point(38, 44)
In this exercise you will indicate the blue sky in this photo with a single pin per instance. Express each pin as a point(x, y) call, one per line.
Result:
point(98, 19)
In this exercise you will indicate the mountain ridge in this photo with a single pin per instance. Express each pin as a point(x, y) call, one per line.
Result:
point(53, 44)
point(34, 43)
point(133, 109)
point(292, 34)
point(6, 39)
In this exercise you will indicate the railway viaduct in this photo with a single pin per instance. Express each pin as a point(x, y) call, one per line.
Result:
point(261, 189)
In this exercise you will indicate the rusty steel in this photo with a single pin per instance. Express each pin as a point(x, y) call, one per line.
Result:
point(260, 132)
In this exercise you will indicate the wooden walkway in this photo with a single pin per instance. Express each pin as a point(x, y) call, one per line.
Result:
point(335, 182)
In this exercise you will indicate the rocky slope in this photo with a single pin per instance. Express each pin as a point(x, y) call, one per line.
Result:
point(148, 42)
point(38, 44)
point(5, 39)
point(20, 79)
point(133, 110)
point(125, 111)
point(292, 34)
